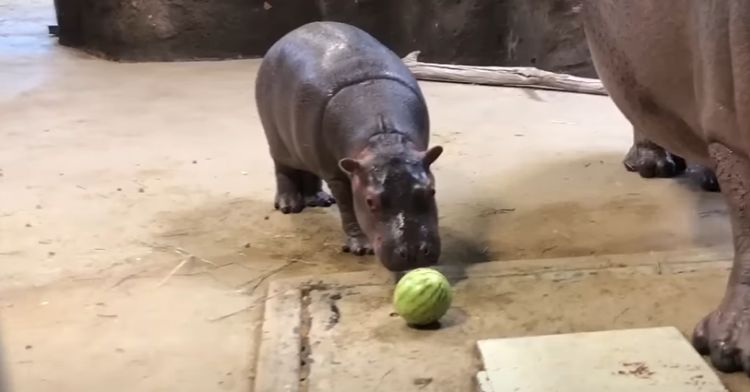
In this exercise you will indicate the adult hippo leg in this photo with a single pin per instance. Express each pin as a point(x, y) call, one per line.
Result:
point(356, 241)
point(651, 160)
point(725, 333)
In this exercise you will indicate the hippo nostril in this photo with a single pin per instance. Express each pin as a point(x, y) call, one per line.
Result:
point(424, 249)
point(402, 253)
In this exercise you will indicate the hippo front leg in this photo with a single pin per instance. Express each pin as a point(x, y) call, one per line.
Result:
point(725, 333)
point(356, 241)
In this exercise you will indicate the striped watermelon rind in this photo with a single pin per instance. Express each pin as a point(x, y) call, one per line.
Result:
point(422, 296)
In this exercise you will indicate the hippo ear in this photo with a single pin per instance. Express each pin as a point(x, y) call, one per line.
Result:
point(431, 155)
point(349, 165)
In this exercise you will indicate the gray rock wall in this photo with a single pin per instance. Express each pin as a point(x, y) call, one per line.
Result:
point(544, 33)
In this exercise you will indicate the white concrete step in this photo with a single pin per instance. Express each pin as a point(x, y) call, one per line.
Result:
point(643, 360)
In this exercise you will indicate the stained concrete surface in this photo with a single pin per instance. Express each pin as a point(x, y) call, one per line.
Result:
point(657, 359)
point(354, 341)
point(112, 175)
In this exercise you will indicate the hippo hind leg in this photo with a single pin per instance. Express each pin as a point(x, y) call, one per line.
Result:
point(705, 177)
point(296, 189)
point(289, 182)
point(312, 191)
point(651, 160)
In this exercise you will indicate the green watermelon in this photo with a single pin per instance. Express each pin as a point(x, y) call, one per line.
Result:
point(422, 296)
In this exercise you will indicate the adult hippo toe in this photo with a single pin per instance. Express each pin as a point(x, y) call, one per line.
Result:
point(337, 105)
point(679, 70)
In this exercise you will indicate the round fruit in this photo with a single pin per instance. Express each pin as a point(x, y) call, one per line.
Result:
point(422, 296)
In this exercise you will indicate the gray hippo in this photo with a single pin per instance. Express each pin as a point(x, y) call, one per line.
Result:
point(680, 72)
point(339, 106)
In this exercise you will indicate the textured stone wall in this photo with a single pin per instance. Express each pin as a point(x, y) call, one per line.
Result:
point(544, 33)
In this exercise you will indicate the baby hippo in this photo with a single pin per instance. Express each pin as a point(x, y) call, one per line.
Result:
point(339, 106)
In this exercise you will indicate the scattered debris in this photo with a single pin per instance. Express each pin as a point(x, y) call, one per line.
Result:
point(50, 254)
point(377, 388)
point(28, 225)
point(106, 315)
point(38, 207)
point(335, 311)
point(29, 347)
point(637, 369)
point(422, 382)
point(141, 190)
point(195, 162)
point(495, 211)
point(124, 279)
point(256, 282)
point(236, 312)
point(174, 271)
point(119, 189)
point(247, 245)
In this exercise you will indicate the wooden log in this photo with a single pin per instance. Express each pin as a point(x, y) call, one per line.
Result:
point(528, 77)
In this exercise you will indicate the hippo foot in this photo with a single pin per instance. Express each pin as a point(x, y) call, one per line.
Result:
point(724, 334)
point(358, 246)
point(650, 161)
point(319, 199)
point(705, 177)
point(289, 202)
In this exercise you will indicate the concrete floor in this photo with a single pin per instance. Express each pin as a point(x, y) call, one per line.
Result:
point(112, 175)
point(354, 341)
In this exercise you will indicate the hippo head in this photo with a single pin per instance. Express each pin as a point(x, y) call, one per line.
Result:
point(394, 201)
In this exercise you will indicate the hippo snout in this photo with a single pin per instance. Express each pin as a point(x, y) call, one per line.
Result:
point(409, 256)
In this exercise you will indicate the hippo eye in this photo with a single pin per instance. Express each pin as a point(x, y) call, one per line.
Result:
point(424, 192)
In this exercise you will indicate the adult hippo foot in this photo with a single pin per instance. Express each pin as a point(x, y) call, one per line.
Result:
point(319, 199)
point(705, 177)
point(651, 160)
point(358, 245)
point(724, 334)
point(289, 202)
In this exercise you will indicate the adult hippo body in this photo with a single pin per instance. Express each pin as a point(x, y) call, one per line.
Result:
point(680, 72)
point(339, 106)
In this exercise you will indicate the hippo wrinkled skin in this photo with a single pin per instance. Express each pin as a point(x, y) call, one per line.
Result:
point(679, 70)
point(339, 106)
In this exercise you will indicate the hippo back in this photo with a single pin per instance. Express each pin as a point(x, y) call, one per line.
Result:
point(303, 71)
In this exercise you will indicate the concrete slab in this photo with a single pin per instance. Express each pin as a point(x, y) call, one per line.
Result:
point(351, 340)
point(644, 359)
